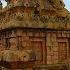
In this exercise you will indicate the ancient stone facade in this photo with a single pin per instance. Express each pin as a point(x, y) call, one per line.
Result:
point(34, 35)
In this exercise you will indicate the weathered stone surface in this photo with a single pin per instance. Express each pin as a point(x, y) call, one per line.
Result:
point(27, 16)
point(34, 35)
point(10, 55)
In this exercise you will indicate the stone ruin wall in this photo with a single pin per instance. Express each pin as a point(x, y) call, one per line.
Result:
point(50, 47)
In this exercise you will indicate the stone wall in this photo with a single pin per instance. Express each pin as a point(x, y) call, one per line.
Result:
point(38, 46)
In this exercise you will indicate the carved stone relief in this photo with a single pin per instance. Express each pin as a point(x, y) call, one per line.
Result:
point(57, 4)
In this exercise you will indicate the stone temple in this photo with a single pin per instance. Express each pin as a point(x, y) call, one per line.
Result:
point(34, 35)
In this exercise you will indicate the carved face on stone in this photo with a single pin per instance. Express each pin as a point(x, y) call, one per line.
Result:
point(57, 4)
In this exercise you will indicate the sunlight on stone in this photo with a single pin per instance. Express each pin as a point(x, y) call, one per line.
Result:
point(67, 4)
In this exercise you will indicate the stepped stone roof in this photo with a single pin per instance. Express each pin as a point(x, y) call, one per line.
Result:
point(53, 15)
